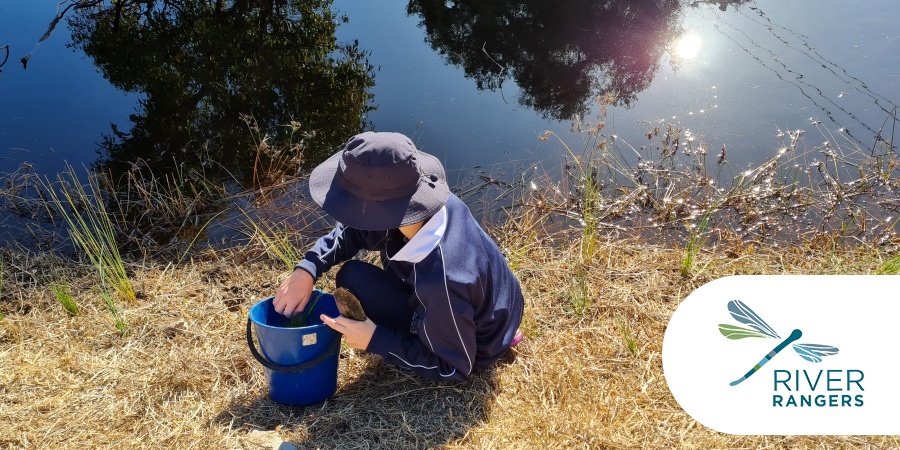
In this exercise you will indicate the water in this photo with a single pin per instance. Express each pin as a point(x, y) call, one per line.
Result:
point(475, 83)
point(57, 108)
point(761, 67)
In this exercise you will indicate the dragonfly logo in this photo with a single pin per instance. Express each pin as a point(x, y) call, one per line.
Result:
point(769, 343)
point(760, 329)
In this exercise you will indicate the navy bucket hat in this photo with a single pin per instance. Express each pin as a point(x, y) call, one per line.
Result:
point(379, 181)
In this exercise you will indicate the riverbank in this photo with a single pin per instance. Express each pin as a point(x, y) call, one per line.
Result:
point(138, 340)
point(589, 374)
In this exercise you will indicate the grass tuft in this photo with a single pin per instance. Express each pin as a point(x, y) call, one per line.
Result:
point(61, 293)
point(121, 325)
point(890, 267)
point(628, 337)
point(278, 240)
point(91, 228)
point(695, 243)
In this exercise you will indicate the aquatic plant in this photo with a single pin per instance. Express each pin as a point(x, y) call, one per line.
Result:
point(276, 239)
point(301, 319)
point(90, 227)
point(163, 211)
point(671, 189)
point(276, 164)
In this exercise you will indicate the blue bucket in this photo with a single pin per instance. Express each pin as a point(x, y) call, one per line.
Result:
point(300, 362)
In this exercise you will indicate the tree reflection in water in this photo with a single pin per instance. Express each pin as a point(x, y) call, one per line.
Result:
point(561, 54)
point(203, 67)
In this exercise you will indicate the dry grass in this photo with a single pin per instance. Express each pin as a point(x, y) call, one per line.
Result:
point(589, 374)
point(183, 378)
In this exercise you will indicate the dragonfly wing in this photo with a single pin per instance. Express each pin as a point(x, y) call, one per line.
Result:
point(736, 332)
point(814, 352)
point(743, 314)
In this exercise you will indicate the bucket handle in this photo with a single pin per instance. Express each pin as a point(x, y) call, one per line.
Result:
point(334, 348)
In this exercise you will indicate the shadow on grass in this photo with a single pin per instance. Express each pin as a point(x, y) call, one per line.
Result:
point(381, 407)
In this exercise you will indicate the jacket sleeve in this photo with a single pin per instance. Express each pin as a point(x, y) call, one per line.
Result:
point(444, 346)
point(338, 246)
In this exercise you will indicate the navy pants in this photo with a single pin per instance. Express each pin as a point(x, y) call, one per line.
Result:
point(385, 298)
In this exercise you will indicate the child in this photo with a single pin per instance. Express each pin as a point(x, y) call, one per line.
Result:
point(444, 304)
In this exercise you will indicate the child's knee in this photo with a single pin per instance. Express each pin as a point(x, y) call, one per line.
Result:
point(349, 272)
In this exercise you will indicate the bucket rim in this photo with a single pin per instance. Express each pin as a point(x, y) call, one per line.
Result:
point(270, 299)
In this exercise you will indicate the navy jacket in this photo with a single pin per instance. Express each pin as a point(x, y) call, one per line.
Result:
point(469, 303)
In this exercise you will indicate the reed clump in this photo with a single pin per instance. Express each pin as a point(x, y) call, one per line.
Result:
point(165, 213)
point(91, 228)
point(276, 164)
point(671, 189)
point(280, 241)
point(64, 296)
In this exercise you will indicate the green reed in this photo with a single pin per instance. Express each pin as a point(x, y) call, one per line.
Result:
point(64, 296)
point(275, 239)
point(628, 336)
point(121, 325)
point(91, 228)
point(302, 319)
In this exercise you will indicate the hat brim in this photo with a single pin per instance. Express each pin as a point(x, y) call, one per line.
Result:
point(371, 215)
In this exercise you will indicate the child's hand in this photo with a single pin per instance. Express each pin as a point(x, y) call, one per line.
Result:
point(356, 333)
point(293, 293)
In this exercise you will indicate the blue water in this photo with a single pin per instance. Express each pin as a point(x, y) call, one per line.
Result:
point(57, 108)
point(762, 67)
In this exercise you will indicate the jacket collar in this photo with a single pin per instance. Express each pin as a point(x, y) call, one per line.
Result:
point(425, 240)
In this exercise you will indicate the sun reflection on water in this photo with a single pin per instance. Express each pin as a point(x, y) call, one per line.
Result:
point(688, 46)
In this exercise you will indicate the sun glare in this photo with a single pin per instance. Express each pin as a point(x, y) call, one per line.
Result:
point(688, 46)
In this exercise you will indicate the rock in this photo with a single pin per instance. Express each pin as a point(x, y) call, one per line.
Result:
point(265, 440)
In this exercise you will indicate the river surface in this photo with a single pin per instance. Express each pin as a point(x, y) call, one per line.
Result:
point(475, 83)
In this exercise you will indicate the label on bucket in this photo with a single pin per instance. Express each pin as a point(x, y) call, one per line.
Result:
point(309, 339)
